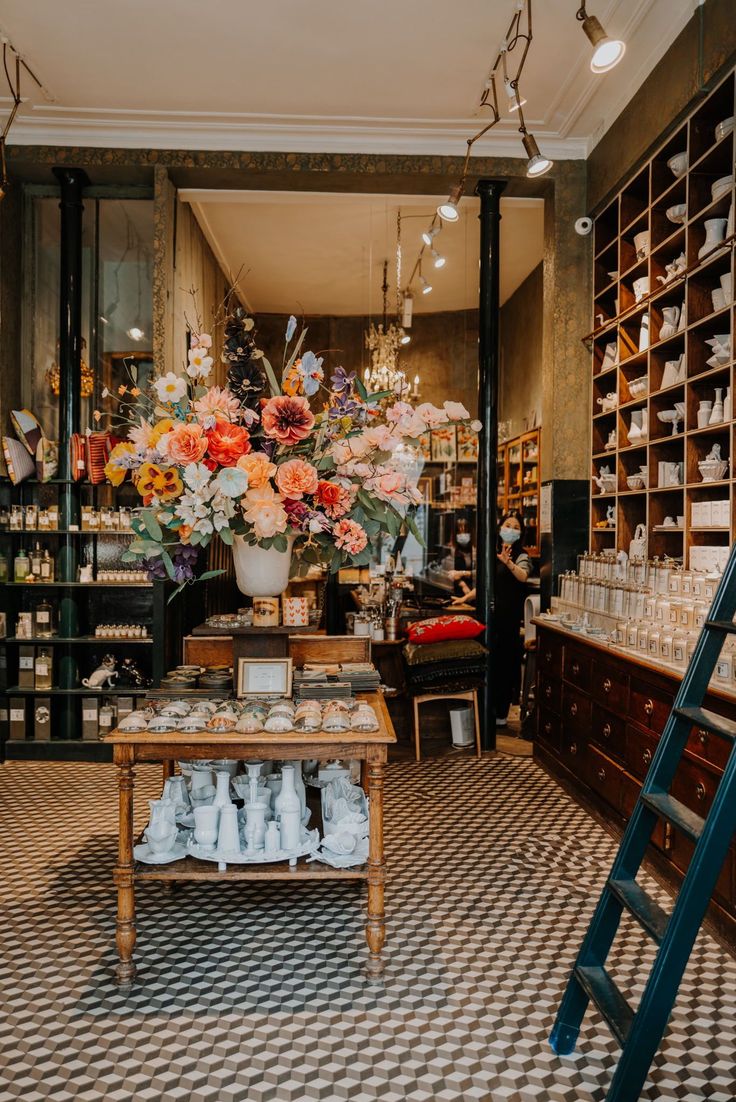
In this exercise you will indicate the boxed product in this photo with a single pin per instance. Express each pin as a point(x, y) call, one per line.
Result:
point(17, 718)
point(708, 558)
point(26, 673)
point(42, 718)
point(90, 717)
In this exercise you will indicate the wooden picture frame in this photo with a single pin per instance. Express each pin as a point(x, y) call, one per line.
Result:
point(467, 444)
point(444, 444)
point(425, 445)
point(264, 677)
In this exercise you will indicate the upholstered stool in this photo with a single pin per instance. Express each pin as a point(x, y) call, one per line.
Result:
point(470, 695)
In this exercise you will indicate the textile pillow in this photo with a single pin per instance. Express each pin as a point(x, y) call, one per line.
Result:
point(417, 654)
point(20, 464)
point(27, 428)
point(98, 453)
point(77, 456)
point(442, 628)
point(47, 460)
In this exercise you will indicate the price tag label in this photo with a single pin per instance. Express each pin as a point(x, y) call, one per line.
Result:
point(42, 669)
point(42, 617)
point(105, 721)
point(3, 715)
point(25, 662)
point(89, 715)
point(17, 715)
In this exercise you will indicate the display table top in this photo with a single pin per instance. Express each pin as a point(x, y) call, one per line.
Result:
point(293, 739)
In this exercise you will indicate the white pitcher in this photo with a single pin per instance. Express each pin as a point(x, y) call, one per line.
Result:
point(671, 316)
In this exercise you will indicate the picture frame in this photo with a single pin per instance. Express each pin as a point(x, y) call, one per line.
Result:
point(444, 444)
point(467, 444)
point(425, 445)
point(264, 677)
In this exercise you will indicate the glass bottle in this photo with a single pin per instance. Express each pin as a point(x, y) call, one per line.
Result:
point(44, 619)
point(47, 566)
point(3, 567)
point(43, 669)
point(21, 566)
point(36, 557)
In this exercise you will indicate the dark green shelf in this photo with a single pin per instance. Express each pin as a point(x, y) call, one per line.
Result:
point(82, 585)
point(16, 690)
point(57, 750)
point(45, 640)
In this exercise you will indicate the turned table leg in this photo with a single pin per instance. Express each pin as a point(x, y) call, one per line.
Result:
point(375, 930)
point(123, 873)
point(167, 770)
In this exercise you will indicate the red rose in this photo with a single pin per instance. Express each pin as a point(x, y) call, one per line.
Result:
point(328, 493)
point(226, 443)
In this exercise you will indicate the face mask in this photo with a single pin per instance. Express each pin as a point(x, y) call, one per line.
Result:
point(463, 538)
point(510, 535)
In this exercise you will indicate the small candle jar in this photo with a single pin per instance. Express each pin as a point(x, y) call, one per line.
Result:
point(665, 645)
point(679, 648)
point(632, 631)
point(653, 642)
point(642, 639)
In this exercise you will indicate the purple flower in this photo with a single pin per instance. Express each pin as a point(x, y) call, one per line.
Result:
point(341, 380)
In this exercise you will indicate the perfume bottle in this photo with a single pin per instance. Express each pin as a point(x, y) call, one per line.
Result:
point(42, 669)
point(3, 567)
point(47, 566)
point(21, 566)
point(44, 620)
point(36, 557)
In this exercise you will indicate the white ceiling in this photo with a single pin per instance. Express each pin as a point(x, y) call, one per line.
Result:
point(325, 75)
point(319, 253)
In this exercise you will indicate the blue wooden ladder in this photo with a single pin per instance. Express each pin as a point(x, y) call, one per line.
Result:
point(639, 1032)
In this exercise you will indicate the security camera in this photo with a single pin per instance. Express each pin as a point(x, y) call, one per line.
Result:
point(583, 226)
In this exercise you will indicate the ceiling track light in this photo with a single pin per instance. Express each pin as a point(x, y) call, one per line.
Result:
point(439, 261)
point(429, 235)
point(607, 52)
point(448, 211)
point(537, 163)
point(425, 285)
point(515, 98)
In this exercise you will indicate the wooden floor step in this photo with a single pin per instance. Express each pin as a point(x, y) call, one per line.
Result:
point(599, 986)
point(644, 909)
point(702, 717)
point(727, 626)
point(681, 817)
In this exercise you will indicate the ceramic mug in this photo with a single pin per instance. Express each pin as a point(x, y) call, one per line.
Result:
point(641, 244)
point(206, 820)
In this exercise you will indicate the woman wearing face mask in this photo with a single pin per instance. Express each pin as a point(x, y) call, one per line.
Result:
point(513, 567)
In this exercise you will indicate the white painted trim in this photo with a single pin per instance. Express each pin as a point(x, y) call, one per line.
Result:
point(197, 196)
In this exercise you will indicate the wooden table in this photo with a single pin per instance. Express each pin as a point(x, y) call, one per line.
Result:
point(166, 747)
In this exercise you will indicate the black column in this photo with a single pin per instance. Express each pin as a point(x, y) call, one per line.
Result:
point(332, 604)
point(488, 358)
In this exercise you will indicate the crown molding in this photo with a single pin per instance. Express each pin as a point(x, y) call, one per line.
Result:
point(248, 133)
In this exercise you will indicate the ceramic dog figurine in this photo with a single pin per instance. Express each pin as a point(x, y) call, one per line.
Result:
point(104, 676)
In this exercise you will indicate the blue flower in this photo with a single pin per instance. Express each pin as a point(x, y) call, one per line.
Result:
point(311, 371)
point(290, 328)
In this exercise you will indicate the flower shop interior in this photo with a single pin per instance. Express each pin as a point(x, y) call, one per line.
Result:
point(367, 662)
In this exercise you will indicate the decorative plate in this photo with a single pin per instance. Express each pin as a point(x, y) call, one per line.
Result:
point(310, 842)
point(145, 854)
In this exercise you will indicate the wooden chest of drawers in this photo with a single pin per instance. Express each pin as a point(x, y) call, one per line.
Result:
point(600, 716)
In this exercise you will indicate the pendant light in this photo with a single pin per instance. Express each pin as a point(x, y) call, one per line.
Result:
point(607, 52)
point(429, 234)
point(537, 164)
point(448, 211)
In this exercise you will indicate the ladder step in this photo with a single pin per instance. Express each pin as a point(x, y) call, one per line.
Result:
point(599, 986)
point(644, 909)
point(702, 717)
point(727, 626)
point(686, 821)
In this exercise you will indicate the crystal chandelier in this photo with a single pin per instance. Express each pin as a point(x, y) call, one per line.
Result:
point(384, 342)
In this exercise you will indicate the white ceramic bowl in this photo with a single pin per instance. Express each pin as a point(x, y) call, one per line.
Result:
point(725, 126)
point(713, 470)
point(677, 164)
point(721, 186)
point(635, 482)
point(677, 213)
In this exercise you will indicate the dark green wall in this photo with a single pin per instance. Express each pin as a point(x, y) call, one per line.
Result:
point(520, 383)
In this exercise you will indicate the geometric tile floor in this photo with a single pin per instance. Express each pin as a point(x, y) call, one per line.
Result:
point(258, 994)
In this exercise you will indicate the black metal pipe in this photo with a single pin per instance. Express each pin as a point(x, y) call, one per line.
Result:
point(489, 192)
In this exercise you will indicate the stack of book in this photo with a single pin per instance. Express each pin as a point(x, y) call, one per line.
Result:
point(325, 680)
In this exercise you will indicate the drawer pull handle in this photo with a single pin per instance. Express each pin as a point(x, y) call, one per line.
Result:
point(573, 709)
point(573, 748)
point(646, 757)
point(575, 669)
point(648, 707)
point(601, 774)
point(703, 737)
point(606, 730)
point(700, 790)
point(548, 728)
point(607, 685)
point(548, 691)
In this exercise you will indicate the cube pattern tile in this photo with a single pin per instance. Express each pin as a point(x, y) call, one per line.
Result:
point(256, 992)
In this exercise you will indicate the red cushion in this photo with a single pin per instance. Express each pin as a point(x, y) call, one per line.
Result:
point(443, 628)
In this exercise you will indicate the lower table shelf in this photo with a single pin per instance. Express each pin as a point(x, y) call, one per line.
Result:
point(189, 868)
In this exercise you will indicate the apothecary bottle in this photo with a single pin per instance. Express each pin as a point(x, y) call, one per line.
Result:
point(21, 566)
point(47, 566)
point(44, 620)
point(3, 567)
point(43, 678)
point(36, 557)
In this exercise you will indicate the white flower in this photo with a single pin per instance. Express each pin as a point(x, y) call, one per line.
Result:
point(432, 415)
point(170, 387)
point(200, 364)
point(191, 510)
point(196, 476)
point(204, 526)
point(232, 481)
point(248, 417)
point(456, 411)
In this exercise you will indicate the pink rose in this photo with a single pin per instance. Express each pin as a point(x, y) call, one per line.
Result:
point(297, 478)
point(350, 536)
point(186, 444)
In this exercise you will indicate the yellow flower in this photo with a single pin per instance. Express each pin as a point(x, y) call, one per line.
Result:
point(115, 470)
point(160, 430)
point(292, 384)
point(160, 482)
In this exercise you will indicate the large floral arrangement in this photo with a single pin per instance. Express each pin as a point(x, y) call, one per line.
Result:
point(325, 463)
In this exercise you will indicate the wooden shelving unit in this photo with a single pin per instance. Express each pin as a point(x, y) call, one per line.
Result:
point(645, 205)
point(519, 482)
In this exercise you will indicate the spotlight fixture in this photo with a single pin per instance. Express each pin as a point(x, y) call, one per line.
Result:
point(537, 164)
point(448, 211)
point(429, 235)
point(607, 52)
point(426, 287)
point(516, 100)
point(405, 338)
point(135, 333)
point(439, 261)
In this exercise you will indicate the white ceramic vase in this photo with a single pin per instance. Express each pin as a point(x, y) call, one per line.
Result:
point(228, 838)
point(716, 414)
point(727, 414)
point(222, 795)
point(289, 810)
point(715, 231)
point(206, 820)
point(260, 572)
point(704, 412)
